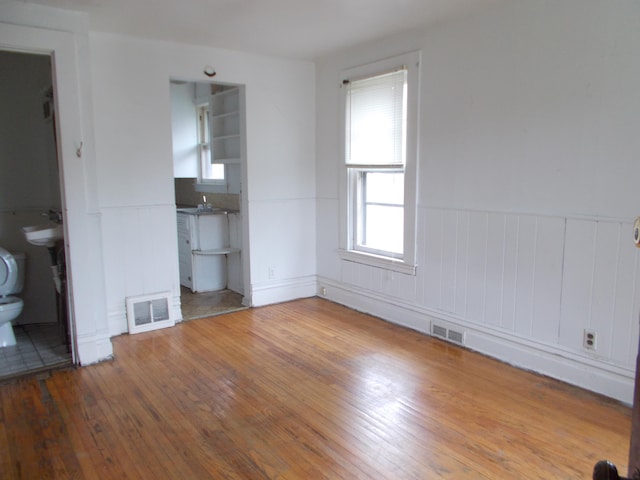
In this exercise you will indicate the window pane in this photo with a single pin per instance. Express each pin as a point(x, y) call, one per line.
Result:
point(384, 228)
point(208, 171)
point(383, 187)
point(217, 171)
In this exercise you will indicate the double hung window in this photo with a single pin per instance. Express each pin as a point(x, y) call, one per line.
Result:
point(380, 146)
point(208, 171)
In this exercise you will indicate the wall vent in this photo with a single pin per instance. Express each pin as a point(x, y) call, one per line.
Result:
point(149, 312)
point(447, 333)
point(438, 331)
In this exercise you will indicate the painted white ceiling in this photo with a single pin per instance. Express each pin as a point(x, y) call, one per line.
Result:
point(303, 29)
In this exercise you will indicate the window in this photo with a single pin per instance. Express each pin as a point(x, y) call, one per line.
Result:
point(380, 147)
point(208, 172)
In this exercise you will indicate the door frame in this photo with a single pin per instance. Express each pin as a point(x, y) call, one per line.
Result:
point(90, 339)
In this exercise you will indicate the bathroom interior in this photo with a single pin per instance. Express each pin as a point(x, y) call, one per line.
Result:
point(208, 155)
point(38, 338)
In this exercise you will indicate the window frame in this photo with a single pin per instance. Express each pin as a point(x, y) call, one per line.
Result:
point(349, 191)
point(211, 183)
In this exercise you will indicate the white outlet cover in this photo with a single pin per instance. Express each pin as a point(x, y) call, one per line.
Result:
point(589, 340)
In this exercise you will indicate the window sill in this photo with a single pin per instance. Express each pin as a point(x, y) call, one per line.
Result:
point(378, 261)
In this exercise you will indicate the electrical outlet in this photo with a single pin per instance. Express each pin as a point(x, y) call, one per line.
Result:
point(272, 273)
point(589, 339)
point(323, 291)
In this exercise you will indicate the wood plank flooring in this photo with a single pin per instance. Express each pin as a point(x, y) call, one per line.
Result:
point(302, 390)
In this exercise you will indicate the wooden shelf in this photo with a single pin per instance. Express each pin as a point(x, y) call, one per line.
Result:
point(217, 251)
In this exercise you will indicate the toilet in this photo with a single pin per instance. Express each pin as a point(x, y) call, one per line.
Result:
point(11, 281)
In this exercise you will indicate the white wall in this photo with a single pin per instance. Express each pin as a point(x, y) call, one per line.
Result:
point(527, 171)
point(135, 167)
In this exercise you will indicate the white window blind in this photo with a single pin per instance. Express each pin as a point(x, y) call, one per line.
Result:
point(376, 129)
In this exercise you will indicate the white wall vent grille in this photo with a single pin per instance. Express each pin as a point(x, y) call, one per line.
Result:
point(149, 312)
point(447, 333)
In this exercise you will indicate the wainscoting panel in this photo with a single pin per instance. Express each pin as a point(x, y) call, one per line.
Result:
point(542, 278)
point(140, 247)
point(393, 285)
point(600, 289)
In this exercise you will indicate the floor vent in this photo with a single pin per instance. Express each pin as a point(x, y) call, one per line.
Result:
point(447, 333)
point(149, 312)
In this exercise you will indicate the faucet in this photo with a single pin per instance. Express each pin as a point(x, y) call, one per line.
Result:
point(54, 215)
point(204, 206)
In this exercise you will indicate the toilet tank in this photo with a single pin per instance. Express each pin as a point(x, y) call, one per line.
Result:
point(20, 259)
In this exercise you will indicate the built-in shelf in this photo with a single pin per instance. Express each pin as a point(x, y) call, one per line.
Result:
point(226, 137)
point(226, 126)
point(221, 116)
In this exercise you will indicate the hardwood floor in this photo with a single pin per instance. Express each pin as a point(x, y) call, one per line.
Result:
point(302, 390)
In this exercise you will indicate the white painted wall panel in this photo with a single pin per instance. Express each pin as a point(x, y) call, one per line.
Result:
point(627, 301)
point(509, 285)
point(282, 247)
point(449, 257)
point(462, 263)
point(527, 231)
point(525, 279)
point(477, 267)
point(139, 256)
point(432, 260)
point(549, 245)
point(604, 291)
point(328, 263)
point(494, 281)
point(577, 282)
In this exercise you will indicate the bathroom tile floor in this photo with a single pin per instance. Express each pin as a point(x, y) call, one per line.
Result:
point(208, 304)
point(39, 347)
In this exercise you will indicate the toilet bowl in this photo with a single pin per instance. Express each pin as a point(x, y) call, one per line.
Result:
point(11, 282)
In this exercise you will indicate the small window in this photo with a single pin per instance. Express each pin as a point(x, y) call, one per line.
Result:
point(208, 172)
point(380, 145)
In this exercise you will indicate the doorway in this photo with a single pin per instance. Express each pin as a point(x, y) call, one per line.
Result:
point(30, 195)
point(208, 137)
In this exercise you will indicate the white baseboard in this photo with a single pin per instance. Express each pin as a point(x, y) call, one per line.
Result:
point(117, 320)
point(94, 348)
point(283, 290)
point(604, 378)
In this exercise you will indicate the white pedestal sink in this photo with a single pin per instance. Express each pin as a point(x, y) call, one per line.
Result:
point(45, 235)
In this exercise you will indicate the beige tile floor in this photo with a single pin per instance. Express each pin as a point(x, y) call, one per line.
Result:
point(199, 305)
